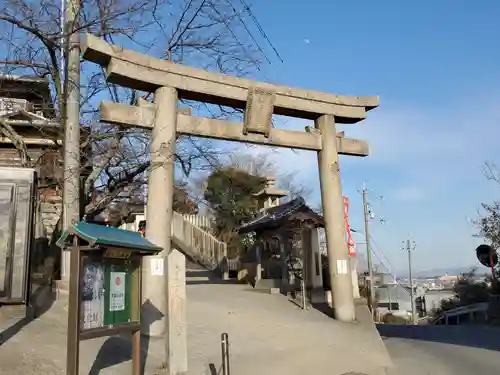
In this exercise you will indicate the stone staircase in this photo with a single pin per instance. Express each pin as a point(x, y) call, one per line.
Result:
point(191, 236)
point(198, 244)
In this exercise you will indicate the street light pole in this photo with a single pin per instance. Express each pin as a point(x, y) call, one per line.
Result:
point(71, 100)
point(412, 296)
point(368, 251)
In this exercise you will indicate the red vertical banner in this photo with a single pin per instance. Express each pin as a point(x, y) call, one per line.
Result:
point(351, 249)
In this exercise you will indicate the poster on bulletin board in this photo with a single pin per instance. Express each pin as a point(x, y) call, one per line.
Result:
point(93, 295)
point(117, 291)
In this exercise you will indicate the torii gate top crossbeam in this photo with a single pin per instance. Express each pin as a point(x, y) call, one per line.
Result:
point(134, 70)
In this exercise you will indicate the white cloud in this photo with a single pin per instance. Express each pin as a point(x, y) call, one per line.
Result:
point(428, 158)
point(429, 135)
point(431, 147)
point(416, 154)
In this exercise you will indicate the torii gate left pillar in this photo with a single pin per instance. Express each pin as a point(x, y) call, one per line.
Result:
point(166, 288)
point(170, 294)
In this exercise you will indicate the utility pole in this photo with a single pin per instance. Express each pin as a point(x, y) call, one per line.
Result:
point(409, 249)
point(62, 73)
point(368, 251)
point(71, 120)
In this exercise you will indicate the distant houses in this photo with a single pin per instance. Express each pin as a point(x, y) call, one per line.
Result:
point(392, 295)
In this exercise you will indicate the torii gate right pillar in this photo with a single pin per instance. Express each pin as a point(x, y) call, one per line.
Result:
point(333, 209)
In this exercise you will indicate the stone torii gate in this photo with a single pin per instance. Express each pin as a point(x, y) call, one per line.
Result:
point(170, 82)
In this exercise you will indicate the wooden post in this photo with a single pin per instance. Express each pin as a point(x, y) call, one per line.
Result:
point(284, 270)
point(317, 282)
point(258, 263)
point(136, 353)
point(224, 262)
point(307, 258)
point(73, 337)
point(135, 315)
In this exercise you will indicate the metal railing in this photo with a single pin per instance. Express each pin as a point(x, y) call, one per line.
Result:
point(470, 310)
point(204, 247)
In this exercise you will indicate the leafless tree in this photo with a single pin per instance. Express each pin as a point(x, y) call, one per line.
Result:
point(491, 172)
point(488, 219)
point(205, 33)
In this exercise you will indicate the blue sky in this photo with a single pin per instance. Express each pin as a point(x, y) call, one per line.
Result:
point(436, 67)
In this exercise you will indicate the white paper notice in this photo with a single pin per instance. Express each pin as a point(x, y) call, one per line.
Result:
point(117, 291)
point(341, 267)
point(157, 266)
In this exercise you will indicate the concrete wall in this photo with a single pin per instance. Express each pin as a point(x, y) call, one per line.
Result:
point(494, 310)
point(433, 299)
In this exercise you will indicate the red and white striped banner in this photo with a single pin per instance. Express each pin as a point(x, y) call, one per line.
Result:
point(351, 247)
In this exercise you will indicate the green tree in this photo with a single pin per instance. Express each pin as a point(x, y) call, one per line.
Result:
point(183, 203)
point(229, 193)
point(467, 291)
point(390, 318)
point(488, 221)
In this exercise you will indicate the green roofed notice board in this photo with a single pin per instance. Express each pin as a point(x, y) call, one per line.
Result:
point(101, 235)
point(105, 284)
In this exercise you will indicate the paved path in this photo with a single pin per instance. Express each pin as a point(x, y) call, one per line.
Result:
point(268, 335)
point(438, 350)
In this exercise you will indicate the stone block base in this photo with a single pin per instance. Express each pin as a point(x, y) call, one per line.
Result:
point(318, 296)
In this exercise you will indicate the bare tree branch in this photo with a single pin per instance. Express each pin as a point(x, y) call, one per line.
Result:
point(9, 132)
point(201, 33)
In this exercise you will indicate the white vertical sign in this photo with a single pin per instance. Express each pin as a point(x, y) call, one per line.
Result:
point(342, 267)
point(156, 266)
point(117, 291)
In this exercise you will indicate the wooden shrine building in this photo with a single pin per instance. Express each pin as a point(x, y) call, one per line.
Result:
point(286, 246)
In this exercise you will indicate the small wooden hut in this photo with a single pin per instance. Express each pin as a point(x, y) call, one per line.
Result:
point(286, 247)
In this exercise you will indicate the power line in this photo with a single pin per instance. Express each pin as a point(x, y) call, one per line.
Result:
point(382, 253)
point(379, 254)
point(259, 27)
point(224, 20)
point(248, 31)
point(391, 272)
